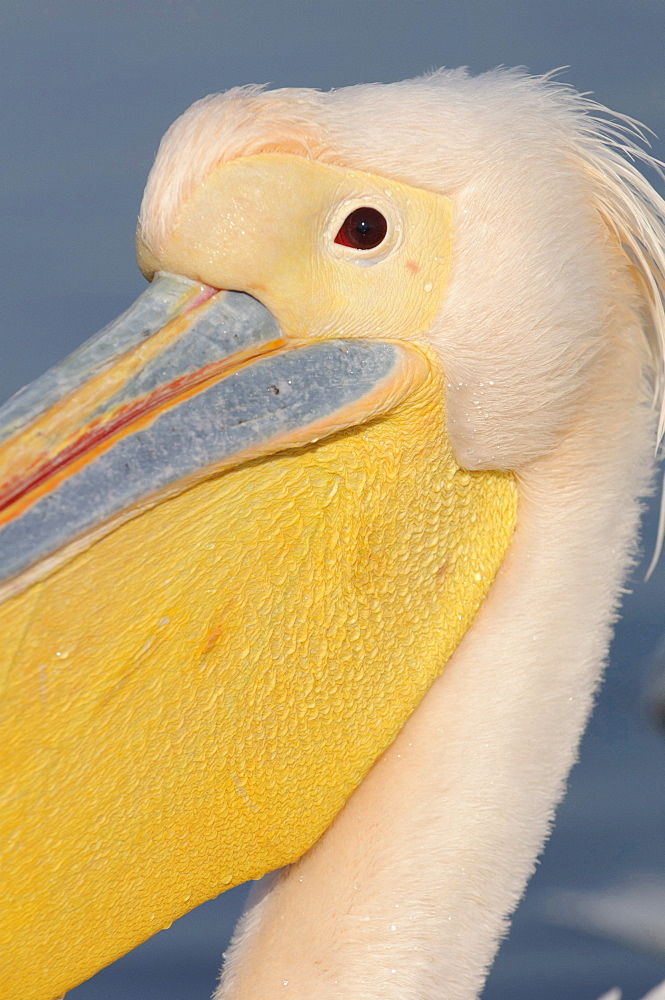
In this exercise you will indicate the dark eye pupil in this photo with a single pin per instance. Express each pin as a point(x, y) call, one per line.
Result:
point(363, 229)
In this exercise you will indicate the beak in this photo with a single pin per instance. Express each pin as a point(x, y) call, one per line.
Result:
point(188, 382)
point(204, 651)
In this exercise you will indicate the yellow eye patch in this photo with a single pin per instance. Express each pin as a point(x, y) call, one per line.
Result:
point(266, 225)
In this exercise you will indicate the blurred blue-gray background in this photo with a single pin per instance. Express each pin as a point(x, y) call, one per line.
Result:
point(86, 90)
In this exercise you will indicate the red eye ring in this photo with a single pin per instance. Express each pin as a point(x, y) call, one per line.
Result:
point(363, 229)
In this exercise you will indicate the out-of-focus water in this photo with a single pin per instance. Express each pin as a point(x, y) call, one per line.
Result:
point(85, 92)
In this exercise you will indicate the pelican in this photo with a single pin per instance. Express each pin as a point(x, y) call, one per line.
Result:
point(310, 560)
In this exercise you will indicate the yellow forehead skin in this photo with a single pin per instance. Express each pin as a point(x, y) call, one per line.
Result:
point(266, 225)
point(200, 690)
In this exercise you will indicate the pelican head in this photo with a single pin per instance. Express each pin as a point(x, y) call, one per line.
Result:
point(382, 410)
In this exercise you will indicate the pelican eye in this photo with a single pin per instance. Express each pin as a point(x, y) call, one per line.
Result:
point(363, 229)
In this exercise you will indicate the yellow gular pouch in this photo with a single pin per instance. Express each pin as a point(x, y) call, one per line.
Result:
point(286, 618)
point(200, 690)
